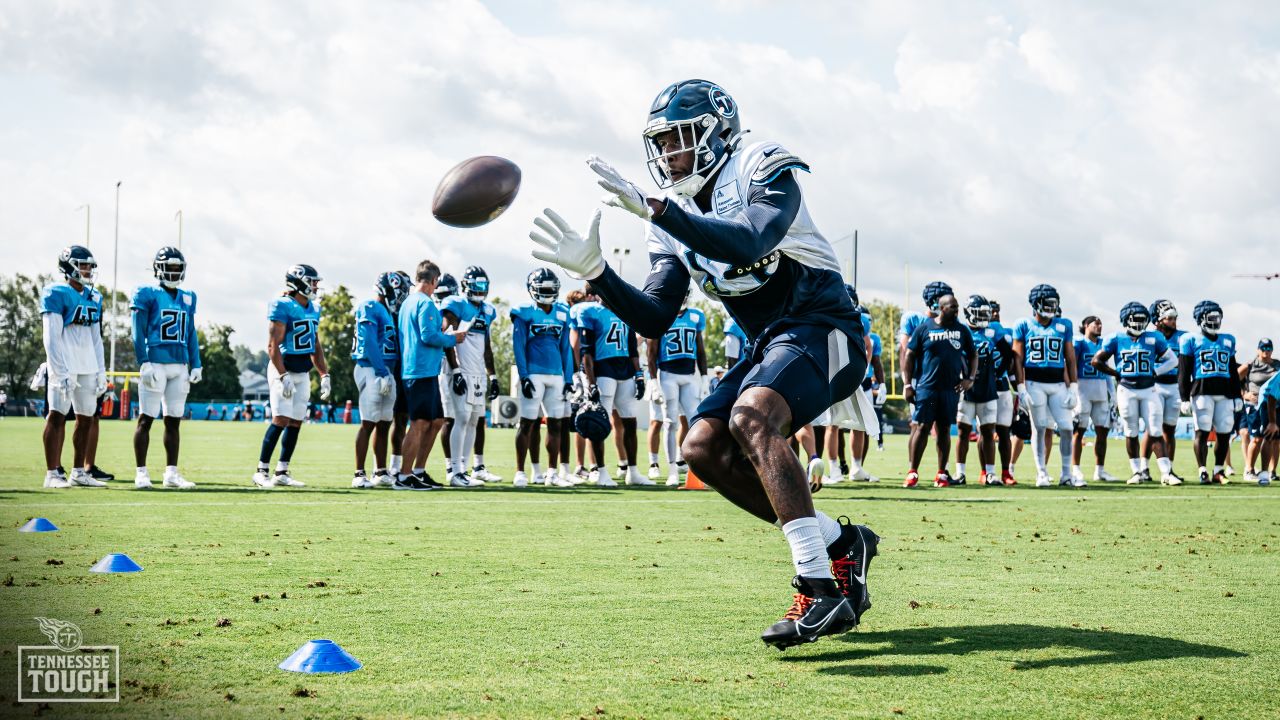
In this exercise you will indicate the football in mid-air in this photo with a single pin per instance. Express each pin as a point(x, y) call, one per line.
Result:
point(475, 191)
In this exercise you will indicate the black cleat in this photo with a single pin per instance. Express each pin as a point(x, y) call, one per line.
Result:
point(98, 473)
point(1146, 475)
point(850, 559)
point(430, 483)
point(1204, 478)
point(410, 482)
point(958, 480)
point(817, 609)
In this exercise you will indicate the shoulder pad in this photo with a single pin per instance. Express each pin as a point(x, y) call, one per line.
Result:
point(774, 165)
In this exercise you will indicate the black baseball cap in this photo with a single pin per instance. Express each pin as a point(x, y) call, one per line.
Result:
point(1265, 344)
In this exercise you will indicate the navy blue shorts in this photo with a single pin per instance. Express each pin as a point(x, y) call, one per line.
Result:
point(424, 398)
point(937, 408)
point(812, 366)
point(402, 396)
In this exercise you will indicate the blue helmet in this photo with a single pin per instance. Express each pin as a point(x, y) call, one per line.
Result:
point(977, 311)
point(1134, 317)
point(475, 283)
point(933, 291)
point(1045, 301)
point(543, 285)
point(1208, 315)
point(1162, 310)
point(169, 267)
point(77, 263)
point(392, 288)
point(592, 422)
point(303, 279)
point(705, 119)
point(447, 286)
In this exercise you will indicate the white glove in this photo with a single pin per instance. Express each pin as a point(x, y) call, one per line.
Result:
point(655, 392)
point(1185, 406)
point(101, 386)
point(286, 386)
point(325, 387)
point(1024, 397)
point(1072, 400)
point(1237, 404)
point(622, 193)
point(384, 385)
point(150, 375)
point(881, 394)
point(579, 255)
point(196, 375)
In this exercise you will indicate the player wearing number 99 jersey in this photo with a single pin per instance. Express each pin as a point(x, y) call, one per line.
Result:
point(168, 353)
point(1210, 386)
point(1048, 364)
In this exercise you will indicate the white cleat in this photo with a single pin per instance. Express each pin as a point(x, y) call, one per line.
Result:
point(283, 477)
point(1170, 479)
point(1135, 479)
point(575, 478)
point(655, 472)
point(520, 480)
point(56, 480)
point(1101, 475)
point(635, 478)
point(817, 468)
point(603, 479)
point(1078, 481)
point(537, 478)
point(460, 480)
point(1066, 479)
point(1228, 470)
point(361, 481)
point(554, 479)
point(176, 481)
point(673, 480)
point(84, 479)
point(482, 474)
point(1250, 476)
point(263, 479)
point(142, 481)
point(383, 479)
point(1264, 478)
point(1077, 474)
point(1043, 479)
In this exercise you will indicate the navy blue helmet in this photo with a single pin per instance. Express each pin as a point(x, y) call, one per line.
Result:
point(1135, 318)
point(77, 263)
point(1162, 310)
point(393, 288)
point(1045, 301)
point(475, 283)
point(543, 285)
point(169, 267)
point(933, 291)
point(705, 119)
point(1208, 315)
point(592, 422)
point(303, 279)
point(853, 293)
point(977, 311)
point(447, 286)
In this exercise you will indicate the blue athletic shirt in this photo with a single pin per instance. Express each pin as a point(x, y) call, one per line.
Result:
point(1044, 351)
point(422, 342)
point(374, 345)
point(81, 341)
point(876, 349)
point(943, 353)
point(76, 308)
point(678, 350)
point(541, 340)
point(164, 329)
point(1170, 377)
point(1270, 389)
point(1209, 365)
point(1136, 358)
point(300, 325)
point(1004, 353)
point(609, 340)
point(1085, 350)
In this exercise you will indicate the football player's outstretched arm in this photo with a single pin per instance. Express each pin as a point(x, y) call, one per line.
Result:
point(752, 234)
point(651, 310)
point(1168, 361)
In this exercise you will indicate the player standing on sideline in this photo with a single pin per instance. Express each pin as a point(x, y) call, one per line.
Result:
point(611, 362)
point(471, 369)
point(1253, 376)
point(943, 351)
point(1004, 397)
point(657, 413)
point(1209, 385)
point(293, 348)
point(375, 349)
point(1048, 363)
point(544, 363)
point(578, 390)
point(1096, 399)
point(680, 359)
point(1140, 355)
point(447, 287)
point(1269, 432)
point(422, 347)
point(734, 220)
point(400, 412)
point(77, 371)
point(979, 404)
point(872, 384)
point(1164, 316)
point(168, 354)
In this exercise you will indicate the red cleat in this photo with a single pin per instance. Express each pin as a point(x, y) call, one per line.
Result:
point(942, 479)
point(913, 479)
point(1007, 477)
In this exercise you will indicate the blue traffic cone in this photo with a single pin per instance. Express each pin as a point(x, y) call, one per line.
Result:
point(38, 525)
point(320, 656)
point(116, 563)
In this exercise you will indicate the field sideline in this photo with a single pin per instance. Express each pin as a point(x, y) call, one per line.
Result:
point(636, 602)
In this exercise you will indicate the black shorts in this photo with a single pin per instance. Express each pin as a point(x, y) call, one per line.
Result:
point(423, 398)
point(812, 366)
point(937, 408)
point(401, 406)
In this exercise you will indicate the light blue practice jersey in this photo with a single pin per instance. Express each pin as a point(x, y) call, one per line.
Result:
point(1044, 354)
point(1085, 350)
point(82, 307)
point(1136, 358)
point(164, 328)
point(1210, 358)
point(610, 337)
point(541, 340)
point(375, 344)
point(300, 324)
point(680, 342)
point(422, 342)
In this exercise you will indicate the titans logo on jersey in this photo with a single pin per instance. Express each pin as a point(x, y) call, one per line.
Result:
point(1136, 358)
point(166, 323)
point(1044, 348)
point(375, 328)
point(82, 308)
point(681, 341)
point(300, 325)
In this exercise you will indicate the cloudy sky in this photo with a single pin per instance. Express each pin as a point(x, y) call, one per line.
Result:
point(1118, 151)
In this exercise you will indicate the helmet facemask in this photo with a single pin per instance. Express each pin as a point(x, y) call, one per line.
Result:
point(1049, 307)
point(86, 272)
point(1136, 323)
point(979, 316)
point(170, 272)
point(696, 136)
point(1211, 321)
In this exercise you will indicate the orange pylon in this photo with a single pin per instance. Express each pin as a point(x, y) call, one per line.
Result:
point(691, 482)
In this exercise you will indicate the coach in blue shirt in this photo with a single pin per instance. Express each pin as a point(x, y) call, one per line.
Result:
point(941, 350)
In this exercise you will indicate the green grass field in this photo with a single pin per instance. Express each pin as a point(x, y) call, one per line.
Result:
point(988, 602)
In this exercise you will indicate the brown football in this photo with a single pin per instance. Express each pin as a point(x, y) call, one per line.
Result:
point(476, 191)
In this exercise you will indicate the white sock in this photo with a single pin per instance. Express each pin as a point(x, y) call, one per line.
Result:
point(990, 468)
point(1135, 464)
point(830, 528)
point(419, 471)
point(855, 467)
point(281, 466)
point(564, 469)
point(142, 470)
point(1064, 451)
point(1217, 469)
point(537, 469)
point(479, 460)
point(1143, 464)
point(834, 470)
point(1076, 469)
point(808, 551)
point(448, 466)
point(653, 458)
point(170, 469)
point(1165, 465)
point(396, 462)
point(960, 468)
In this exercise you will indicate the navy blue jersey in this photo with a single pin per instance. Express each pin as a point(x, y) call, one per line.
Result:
point(1136, 358)
point(984, 382)
point(1170, 377)
point(942, 353)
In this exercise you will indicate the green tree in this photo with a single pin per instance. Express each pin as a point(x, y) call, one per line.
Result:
point(121, 326)
point(221, 379)
point(337, 336)
point(713, 336)
point(21, 334)
point(504, 352)
point(247, 359)
point(886, 318)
